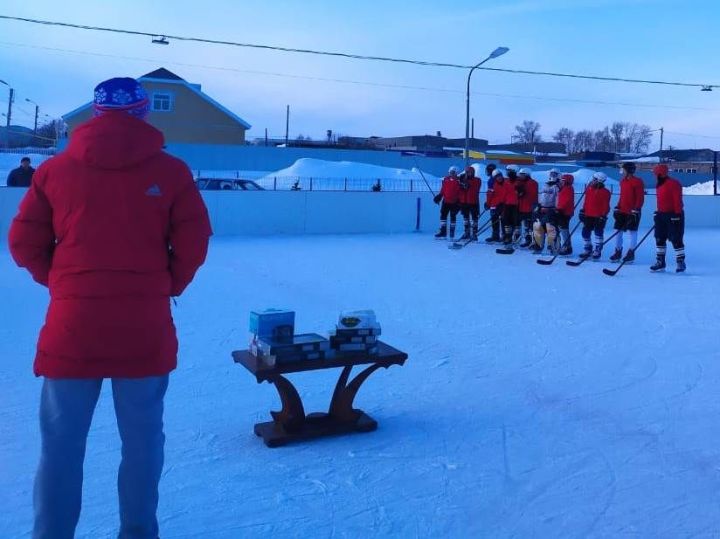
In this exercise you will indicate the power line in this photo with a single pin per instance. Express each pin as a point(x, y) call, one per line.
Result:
point(365, 83)
point(348, 55)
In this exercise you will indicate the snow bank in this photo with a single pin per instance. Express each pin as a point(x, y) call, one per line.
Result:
point(702, 188)
point(9, 161)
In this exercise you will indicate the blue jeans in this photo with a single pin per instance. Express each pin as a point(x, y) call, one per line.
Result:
point(66, 410)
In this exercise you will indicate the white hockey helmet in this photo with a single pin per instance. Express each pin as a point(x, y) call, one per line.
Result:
point(512, 167)
point(599, 177)
point(496, 172)
point(553, 172)
point(453, 169)
point(525, 171)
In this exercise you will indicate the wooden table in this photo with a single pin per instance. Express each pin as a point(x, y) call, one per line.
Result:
point(290, 423)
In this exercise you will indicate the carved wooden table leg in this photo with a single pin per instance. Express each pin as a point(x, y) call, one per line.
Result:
point(341, 406)
point(292, 415)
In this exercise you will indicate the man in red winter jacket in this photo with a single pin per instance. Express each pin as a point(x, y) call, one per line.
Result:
point(594, 214)
point(113, 227)
point(669, 219)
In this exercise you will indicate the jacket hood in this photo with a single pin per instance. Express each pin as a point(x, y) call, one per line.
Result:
point(115, 141)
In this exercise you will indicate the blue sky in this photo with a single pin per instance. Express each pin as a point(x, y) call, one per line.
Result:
point(662, 40)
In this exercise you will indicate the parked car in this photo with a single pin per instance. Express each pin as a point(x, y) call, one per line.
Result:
point(221, 184)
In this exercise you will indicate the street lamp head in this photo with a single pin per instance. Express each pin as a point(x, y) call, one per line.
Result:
point(706, 89)
point(498, 52)
point(160, 40)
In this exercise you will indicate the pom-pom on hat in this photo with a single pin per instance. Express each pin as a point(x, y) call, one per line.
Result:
point(121, 94)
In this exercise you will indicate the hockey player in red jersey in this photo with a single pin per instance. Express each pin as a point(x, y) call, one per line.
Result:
point(628, 211)
point(495, 203)
point(450, 196)
point(527, 190)
point(511, 214)
point(566, 209)
point(470, 203)
point(669, 219)
point(594, 215)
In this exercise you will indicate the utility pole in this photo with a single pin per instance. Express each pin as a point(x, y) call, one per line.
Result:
point(287, 124)
point(715, 172)
point(266, 140)
point(472, 128)
point(662, 132)
point(37, 111)
point(9, 112)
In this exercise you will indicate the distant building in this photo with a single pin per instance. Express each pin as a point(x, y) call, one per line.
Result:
point(426, 143)
point(181, 110)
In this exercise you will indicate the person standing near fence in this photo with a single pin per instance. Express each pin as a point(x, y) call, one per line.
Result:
point(593, 216)
point(566, 209)
point(628, 212)
point(669, 219)
point(114, 227)
point(527, 189)
point(450, 196)
point(22, 175)
point(470, 203)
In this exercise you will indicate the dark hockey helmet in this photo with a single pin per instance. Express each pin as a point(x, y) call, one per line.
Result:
point(630, 168)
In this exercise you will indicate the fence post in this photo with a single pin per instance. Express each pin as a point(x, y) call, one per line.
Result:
point(411, 185)
point(274, 183)
point(345, 184)
point(311, 183)
point(417, 216)
point(715, 171)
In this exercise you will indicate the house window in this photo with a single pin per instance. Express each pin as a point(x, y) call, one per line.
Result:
point(162, 102)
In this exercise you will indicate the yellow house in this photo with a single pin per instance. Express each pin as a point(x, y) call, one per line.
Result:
point(181, 111)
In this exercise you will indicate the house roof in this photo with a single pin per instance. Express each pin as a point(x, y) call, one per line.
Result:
point(161, 73)
point(168, 77)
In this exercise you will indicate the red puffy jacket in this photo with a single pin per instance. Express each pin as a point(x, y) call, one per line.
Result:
point(597, 201)
point(450, 190)
point(669, 196)
point(471, 195)
point(496, 191)
point(528, 200)
point(114, 227)
point(566, 201)
point(632, 194)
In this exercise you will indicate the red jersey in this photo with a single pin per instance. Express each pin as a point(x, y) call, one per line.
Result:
point(450, 190)
point(566, 201)
point(527, 195)
point(597, 201)
point(632, 194)
point(669, 196)
point(471, 195)
point(496, 191)
point(510, 193)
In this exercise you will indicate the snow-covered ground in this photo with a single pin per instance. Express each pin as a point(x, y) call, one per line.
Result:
point(701, 188)
point(537, 401)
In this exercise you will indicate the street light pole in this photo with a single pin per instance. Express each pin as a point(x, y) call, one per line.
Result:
point(494, 54)
point(10, 102)
point(37, 111)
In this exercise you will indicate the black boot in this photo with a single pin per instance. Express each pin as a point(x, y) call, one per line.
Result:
point(616, 256)
point(442, 232)
point(659, 264)
point(680, 265)
point(629, 256)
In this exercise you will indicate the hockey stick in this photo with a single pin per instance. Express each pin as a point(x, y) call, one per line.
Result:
point(547, 262)
point(613, 272)
point(423, 177)
point(575, 263)
point(458, 245)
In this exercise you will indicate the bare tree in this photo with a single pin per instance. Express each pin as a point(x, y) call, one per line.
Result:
point(602, 140)
point(583, 140)
point(617, 130)
point(529, 132)
point(567, 137)
point(642, 139)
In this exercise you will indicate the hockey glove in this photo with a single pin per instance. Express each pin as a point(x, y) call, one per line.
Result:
point(437, 198)
point(635, 217)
